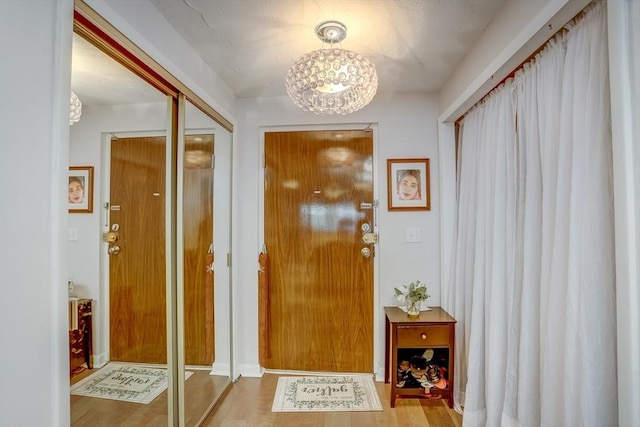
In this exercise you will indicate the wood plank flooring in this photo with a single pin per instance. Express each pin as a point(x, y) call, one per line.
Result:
point(200, 391)
point(248, 404)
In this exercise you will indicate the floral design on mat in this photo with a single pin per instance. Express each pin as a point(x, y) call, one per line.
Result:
point(329, 393)
point(131, 383)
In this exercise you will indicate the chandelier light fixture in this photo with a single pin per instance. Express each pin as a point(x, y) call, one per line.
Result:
point(333, 80)
point(76, 109)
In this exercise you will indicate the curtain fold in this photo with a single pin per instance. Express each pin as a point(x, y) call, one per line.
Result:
point(533, 262)
point(583, 264)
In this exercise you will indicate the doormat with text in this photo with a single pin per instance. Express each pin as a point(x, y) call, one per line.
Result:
point(326, 394)
point(129, 383)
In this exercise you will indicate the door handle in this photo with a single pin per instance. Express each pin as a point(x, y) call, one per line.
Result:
point(110, 236)
point(114, 250)
point(366, 252)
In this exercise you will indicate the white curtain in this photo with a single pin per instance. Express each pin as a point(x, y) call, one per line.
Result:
point(485, 202)
point(533, 263)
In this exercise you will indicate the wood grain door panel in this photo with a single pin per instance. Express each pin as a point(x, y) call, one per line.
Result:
point(137, 297)
point(198, 235)
point(318, 193)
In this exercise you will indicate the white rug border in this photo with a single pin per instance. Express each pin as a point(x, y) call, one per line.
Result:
point(367, 382)
point(112, 366)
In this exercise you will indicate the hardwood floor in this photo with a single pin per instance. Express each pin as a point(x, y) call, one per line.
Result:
point(248, 404)
point(200, 391)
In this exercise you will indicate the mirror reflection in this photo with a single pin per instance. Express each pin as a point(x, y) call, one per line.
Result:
point(117, 298)
point(205, 200)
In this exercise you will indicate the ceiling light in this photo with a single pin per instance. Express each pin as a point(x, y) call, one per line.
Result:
point(333, 80)
point(76, 109)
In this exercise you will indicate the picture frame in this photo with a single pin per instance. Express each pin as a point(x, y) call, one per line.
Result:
point(408, 185)
point(80, 196)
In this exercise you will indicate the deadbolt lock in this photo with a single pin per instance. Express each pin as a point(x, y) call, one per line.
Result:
point(369, 238)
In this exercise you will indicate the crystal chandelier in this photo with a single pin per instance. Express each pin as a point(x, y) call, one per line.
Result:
point(76, 109)
point(332, 81)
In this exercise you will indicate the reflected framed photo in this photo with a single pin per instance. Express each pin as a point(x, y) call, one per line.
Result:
point(80, 197)
point(408, 185)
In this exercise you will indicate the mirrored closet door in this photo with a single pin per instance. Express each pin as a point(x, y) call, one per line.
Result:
point(151, 257)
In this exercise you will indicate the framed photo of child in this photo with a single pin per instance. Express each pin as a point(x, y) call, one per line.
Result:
point(80, 196)
point(408, 185)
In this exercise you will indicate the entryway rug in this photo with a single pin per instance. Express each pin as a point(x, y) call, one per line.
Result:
point(326, 394)
point(129, 383)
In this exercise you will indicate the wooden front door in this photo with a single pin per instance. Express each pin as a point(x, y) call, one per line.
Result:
point(318, 196)
point(137, 289)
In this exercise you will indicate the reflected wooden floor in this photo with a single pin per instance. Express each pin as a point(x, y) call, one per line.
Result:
point(200, 390)
point(248, 404)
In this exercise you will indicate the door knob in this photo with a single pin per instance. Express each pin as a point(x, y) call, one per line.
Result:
point(366, 252)
point(110, 236)
point(114, 250)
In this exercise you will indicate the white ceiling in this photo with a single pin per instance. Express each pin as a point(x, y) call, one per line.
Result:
point(250, 44)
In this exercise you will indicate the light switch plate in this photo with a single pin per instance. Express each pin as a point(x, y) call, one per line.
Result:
point(73, 234)
point(413, 235)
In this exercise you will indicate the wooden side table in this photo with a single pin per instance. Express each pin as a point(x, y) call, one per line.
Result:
point(419, 354)
point(80, 333)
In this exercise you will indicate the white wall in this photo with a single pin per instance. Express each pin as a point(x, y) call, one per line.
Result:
point(624, 68)
point(34, 118)
point(405, 127)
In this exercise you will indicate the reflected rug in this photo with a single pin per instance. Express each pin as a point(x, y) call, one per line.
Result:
point(129, 383)
point(326, 394)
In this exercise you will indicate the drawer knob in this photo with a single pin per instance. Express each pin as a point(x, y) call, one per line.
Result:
point(423, 336)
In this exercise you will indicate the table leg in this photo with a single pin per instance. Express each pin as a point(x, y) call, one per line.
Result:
point(86, 343)
point(387, 374)
point(393, 365)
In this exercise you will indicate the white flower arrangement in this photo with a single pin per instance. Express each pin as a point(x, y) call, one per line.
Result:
point(415, 291)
